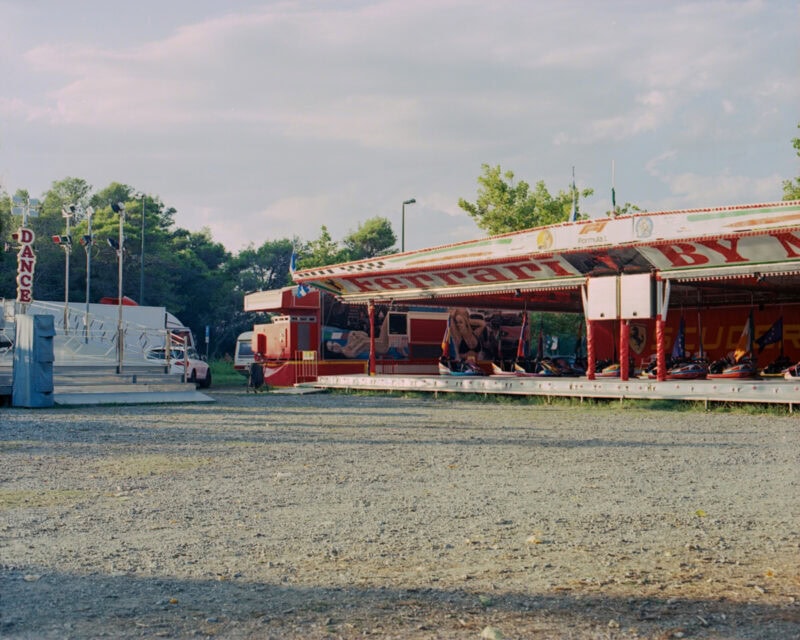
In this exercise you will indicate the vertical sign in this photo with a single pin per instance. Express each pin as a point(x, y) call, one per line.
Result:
point(26, 262)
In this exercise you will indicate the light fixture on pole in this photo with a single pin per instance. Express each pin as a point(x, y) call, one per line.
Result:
point(140, 196)
point(67, 212)
point(87, 241)
point(25, 207)
point(119, 208)
point(403, 224)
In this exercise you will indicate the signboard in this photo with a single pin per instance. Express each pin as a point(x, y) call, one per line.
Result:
point(776, 246)
point(509, 273)
point(26, 263)
point(558, 256)
point(605, 233)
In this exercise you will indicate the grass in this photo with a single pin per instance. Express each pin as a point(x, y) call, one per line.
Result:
point(612, 404)
point(224, 375)
point(141, 466)
point(10, 499)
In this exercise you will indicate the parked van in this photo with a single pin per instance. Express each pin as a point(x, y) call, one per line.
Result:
point(243, 353)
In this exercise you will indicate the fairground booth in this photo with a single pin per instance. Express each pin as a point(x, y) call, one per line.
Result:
point(717, 284)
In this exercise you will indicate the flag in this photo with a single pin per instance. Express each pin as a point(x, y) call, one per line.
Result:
point(679, 348)
point(448, 346)
point(524, 336)
point(302, 289)
point(772, 335)
point(574, 213)
point(613, 193)
point(745, 345)
point(702, 353)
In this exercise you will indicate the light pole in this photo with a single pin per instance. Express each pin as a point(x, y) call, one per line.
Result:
point(141, 196)
point(67, 211)
point(87, 241)
point(403, 224)
point(119, 208)
point(24, 207)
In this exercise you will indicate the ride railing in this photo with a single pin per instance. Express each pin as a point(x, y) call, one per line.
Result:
point(307, 369)
point(79, 342)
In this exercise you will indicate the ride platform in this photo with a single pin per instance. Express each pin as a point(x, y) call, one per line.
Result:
point(756, 391)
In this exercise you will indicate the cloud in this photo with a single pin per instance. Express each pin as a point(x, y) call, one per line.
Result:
point(265, 120)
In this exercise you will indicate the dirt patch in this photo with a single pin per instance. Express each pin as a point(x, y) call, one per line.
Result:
point(338, 516)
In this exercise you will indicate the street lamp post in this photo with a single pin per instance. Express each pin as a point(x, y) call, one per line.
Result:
point(87, 241)
point(141, 255)
point(403, 224)
point(119, 208)
point(25, 207)
point(67, 212)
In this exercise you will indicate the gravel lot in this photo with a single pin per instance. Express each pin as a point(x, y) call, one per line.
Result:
point(346, 516)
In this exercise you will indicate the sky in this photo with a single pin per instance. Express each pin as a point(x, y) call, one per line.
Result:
point(265, 120)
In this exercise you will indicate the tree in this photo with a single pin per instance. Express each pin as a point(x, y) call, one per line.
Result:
point(5, 217)
point(791, 188)
point(321, 252)
point(624, 210)
point(199, 285)
point(264, 268)
point(503, 206)
point(374, 237)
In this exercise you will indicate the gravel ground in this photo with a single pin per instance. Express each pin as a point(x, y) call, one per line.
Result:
point(346, 516)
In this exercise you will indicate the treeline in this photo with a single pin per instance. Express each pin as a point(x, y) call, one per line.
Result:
point(186, 272)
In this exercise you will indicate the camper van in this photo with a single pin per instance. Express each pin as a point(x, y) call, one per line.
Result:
point(243, 353)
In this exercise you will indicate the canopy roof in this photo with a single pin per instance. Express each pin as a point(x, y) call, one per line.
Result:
point(727, 255)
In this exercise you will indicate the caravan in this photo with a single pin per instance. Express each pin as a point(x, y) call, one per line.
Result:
point(243, 355)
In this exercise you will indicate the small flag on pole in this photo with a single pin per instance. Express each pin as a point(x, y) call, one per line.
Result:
point(613, 193)
point(679, 348)
point(522, 344)
point(574, 213)
point(302, 289)
point(448, 346)
point(744, 347)
point(772, 335)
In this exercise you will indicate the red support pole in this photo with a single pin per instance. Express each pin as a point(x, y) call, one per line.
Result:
point(624, 349)
point(661, 359)
point(590, 359)
point(371, 310)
